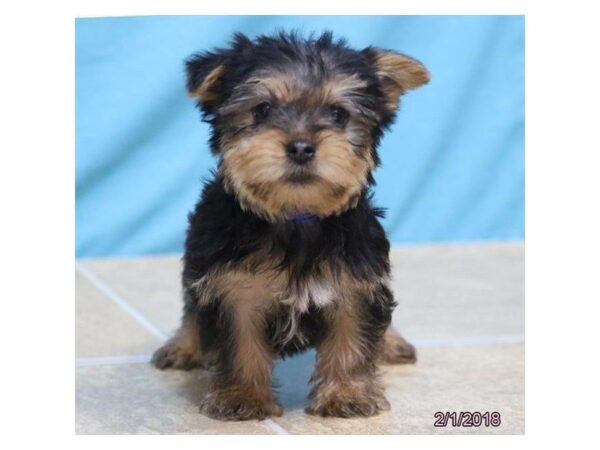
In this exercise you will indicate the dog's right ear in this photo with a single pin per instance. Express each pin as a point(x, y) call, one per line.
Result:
point(205, 71)
point(204, 76)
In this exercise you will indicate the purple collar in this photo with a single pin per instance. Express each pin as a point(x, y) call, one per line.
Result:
point(299, 218)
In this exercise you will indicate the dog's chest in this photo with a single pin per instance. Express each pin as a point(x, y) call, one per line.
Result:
point(316, 291)
point(279, 288)
point(269, 288)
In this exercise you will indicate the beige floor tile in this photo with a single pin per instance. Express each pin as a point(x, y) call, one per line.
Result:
point(138, 399)
point(448, 291)
point(103, 328)
point(454, 378)
point(151, 285)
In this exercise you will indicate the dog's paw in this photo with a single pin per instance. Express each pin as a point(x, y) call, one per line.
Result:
point(174, 355)
point(240, 404)
point(397, 350)
point(347, 404)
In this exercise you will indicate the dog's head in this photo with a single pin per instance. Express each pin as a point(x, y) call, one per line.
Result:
point(296, 121)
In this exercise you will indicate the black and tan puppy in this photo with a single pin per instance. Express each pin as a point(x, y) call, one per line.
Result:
point(284, 250)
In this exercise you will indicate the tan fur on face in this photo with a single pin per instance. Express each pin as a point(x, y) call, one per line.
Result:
point(399, 73)
point(335, 89)
point(255, 167)
point(286, 88)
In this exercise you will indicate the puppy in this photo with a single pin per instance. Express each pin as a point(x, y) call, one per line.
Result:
point(284, 250)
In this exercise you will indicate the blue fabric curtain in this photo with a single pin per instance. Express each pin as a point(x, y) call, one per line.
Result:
point(453, 164)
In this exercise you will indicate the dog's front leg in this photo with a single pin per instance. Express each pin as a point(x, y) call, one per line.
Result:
point(241, 386)
point(345, 378)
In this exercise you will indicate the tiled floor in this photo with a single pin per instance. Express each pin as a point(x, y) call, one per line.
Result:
point(461, 305)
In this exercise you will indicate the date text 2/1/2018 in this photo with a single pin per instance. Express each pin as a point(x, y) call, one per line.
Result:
point(467, 419)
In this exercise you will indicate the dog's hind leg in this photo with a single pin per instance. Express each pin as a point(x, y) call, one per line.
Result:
point(395, 349)
point(182, 351)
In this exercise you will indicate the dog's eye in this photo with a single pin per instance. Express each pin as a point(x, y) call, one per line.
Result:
point(339, 115)
point(262, 111)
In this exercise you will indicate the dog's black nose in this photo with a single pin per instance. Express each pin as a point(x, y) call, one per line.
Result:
point(300, 151)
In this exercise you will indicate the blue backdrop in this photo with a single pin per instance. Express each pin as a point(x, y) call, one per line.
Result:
point(453, 165)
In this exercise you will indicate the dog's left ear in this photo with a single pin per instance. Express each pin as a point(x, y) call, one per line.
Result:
point(397, 73)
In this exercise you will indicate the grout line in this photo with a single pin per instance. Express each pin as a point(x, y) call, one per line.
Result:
point(273, 426)
point(111, 360)
point(469, 340)
point(120, 301)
